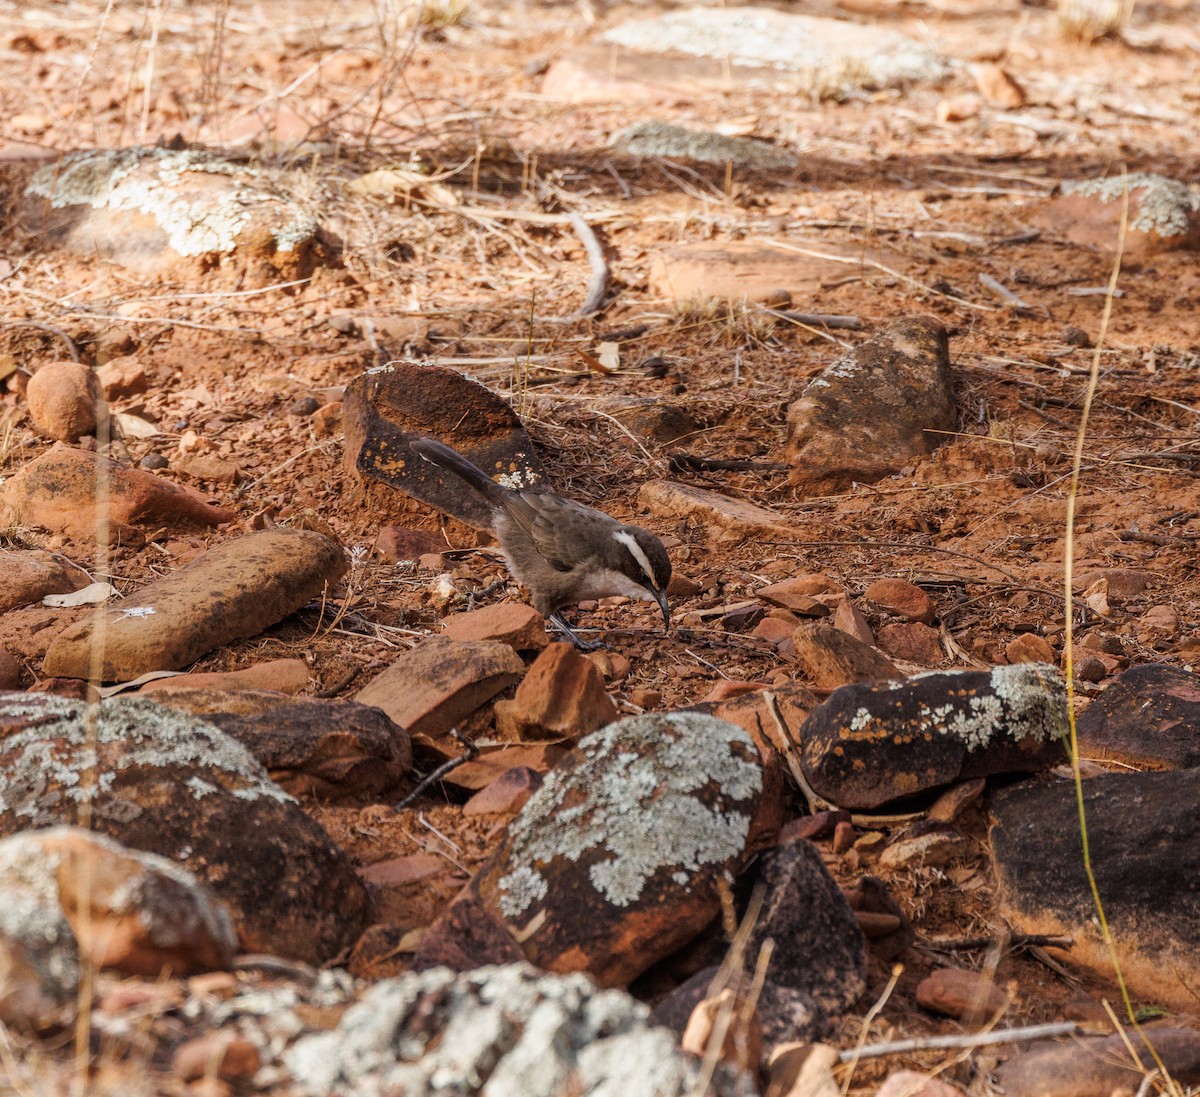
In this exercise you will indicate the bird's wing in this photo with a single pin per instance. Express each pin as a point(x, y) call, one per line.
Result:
point(542, 518)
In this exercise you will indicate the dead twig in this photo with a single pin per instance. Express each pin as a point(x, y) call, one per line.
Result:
point(1018, 940)
point(447, 766)
point(819, 319)
point(598, 284)
point(968, 1040)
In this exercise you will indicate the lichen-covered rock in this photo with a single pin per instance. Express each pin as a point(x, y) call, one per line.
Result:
point(667, 140)
point(234, 590)
point(871, 744)
point(1144, 840)
point(873, 411)
point(1164, 214)
point(501, 1031)
point(136, 912)
point(168, 783)
point(617, 859)
point(152, 207)
point(331, 750)
point(39, 960)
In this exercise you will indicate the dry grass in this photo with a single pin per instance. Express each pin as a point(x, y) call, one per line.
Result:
point(1092, 20)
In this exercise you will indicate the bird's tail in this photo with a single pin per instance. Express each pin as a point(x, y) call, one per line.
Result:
point(444, 457)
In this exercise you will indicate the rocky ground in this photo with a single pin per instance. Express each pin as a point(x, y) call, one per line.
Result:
point(816, 302)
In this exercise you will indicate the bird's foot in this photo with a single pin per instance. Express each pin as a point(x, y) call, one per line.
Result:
point(560, 623)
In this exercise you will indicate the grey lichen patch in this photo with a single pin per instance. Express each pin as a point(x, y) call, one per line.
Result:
point(58, 754)
point(197, 220)
point(169, 901)
point(703, 146)
point(505, 1031)
point(824, 57)
point(1024, 701)
point(1164, 206)
point(636, 799)
point(39, 925)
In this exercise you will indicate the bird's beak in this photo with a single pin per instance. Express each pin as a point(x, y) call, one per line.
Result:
point(661, 598)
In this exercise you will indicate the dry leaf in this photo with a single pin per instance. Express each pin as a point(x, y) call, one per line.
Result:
point(393, 183)
point(91, 595)
point(134, 426)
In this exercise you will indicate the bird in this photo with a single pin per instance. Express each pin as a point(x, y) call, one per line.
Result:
point(562, 551)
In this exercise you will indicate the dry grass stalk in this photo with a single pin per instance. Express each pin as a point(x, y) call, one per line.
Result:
point(1091, 20)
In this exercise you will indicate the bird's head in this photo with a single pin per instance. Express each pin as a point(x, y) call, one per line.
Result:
point(642, 558)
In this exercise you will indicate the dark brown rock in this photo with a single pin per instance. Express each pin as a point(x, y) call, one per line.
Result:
point(618, 857)
point(874, 411)
point(561, 696)
point(871, 745)
point(819, 948)
point(164, 782)
point(386, 409)
point(235, 590)
point(1144, 838)
point(785, 1013)
point(871, 897)
point(831, 658)
point(439, 682)
point(1089, 1065)
point(58, 492)
point(329, 750)
point(467, 936)
point(1148, 717)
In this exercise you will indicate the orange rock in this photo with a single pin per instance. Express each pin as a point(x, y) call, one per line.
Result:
point(58, 492)
point(123, 376)
point(722, 517)
point(64, 401)
point(848, 618)
point(513, 623)
point(507, 794)
point(561, 696)
point(831, 658)
point(902, 598)
point(262, 577)
point(911, 1083)
point(135, 912)
point(726, 688)
point(957, 992)
point(912, 642)
point(279, 675)
point(223, 1054)
point(998, 87)
point(958, 109)
point(1029, 647)
point(31, 574)
point(433, 686)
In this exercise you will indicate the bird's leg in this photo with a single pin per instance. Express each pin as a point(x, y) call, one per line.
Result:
point(560, 623)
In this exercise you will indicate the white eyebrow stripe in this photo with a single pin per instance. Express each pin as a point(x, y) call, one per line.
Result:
point(635, 550)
